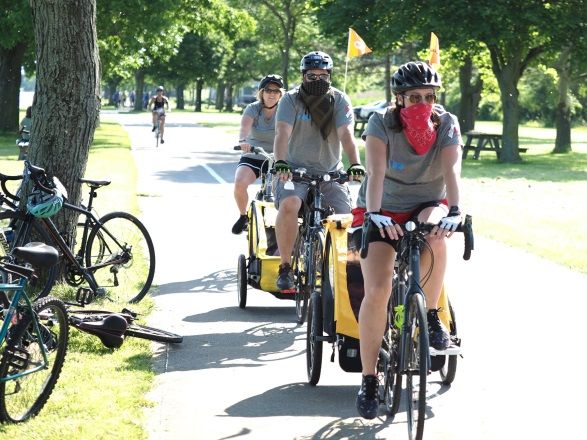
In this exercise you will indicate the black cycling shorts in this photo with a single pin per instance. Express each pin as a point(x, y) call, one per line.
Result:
point(257, 165)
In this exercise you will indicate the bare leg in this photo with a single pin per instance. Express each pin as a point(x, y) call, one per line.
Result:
point(243, 177)
point(286, 226)
point(434, 284)
point(162, 128)
point(377, 271)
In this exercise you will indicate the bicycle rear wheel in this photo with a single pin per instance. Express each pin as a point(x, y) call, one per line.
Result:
point(417, 362)
point(300, 269)
point(449, 369)
point(18, 229)
point(23, 397)
point(152, 334)
point(389, 367)
point(125, 266)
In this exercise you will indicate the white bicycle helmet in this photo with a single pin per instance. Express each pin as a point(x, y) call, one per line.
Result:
point(43, 205)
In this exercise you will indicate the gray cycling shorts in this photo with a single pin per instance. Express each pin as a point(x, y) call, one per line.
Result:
point(335, 195)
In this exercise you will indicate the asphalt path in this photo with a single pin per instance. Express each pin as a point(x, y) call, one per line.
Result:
point(242, 373)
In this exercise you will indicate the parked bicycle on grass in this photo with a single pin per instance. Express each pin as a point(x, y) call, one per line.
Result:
point(33, 336)
point(113, 255)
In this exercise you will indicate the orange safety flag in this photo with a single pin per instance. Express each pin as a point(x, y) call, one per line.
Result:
point(434, 51)
point(357, 46)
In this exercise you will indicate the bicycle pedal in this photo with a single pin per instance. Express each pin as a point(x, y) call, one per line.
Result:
point(130, 312)
point(84, 296)
point(19, 358)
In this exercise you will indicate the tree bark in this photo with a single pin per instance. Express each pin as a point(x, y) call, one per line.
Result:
point(10, 76)
point(562, 143)
point(67, 103)
point(470, 96)
point(140, 89)
point(228, 102)
point(220, 96)
point(388, 77)
point(198, 104)
point(180, 103)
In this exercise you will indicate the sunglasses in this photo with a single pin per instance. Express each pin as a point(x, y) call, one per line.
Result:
point(416, 98)
point(314, 77)
point(272, 91)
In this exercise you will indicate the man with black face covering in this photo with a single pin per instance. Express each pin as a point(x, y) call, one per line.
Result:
point(313, 121)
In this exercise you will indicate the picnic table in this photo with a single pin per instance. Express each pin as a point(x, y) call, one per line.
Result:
point(479, 141)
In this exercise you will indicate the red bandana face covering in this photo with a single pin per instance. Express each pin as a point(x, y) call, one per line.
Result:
point(418, 127)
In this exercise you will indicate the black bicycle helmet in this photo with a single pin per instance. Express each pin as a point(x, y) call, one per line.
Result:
point(316, 60)
point(275, 79)
point(414, 75)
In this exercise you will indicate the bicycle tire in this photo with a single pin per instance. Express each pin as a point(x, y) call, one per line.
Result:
point(128, 282)
point(241, 281)
point(417, 352)
point(449, 369)
point(313, 339)
point(11, 225)
point(299, 267)
point(152, 334)
point(389, 365)
point(23, 398)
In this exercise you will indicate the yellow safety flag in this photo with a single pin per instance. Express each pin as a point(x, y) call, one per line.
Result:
point(434, 51)
point(356, 46)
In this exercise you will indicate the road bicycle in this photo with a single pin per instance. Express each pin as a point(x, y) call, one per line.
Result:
point(405, 350)
point(33, 337)
point(160, 119)
point(308, 251)
point(113, 327)
point(113, 254)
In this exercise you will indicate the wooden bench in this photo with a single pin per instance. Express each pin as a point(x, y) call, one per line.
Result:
point(479, 141)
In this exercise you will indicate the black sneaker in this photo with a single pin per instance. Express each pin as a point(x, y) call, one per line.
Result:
point(241, 224)
point(285, 278)
point(438, 335)
point(368, 399)
point(154, 128)
point(162, 141)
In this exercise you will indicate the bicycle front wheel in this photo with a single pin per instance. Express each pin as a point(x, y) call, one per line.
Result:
point(121, 255)
point(26, 393)
point(18, 229)
point(314, 339)
point(417, 362)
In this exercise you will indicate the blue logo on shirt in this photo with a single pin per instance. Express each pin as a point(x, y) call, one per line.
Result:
point(396, 165)
point(305, 116)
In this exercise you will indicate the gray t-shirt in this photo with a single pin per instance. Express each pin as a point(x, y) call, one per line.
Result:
point(307, 148)
point(410, 179)
point(263, 130)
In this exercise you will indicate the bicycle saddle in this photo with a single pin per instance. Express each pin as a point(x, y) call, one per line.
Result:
point(110, 330)
point(37, 254)
point(94, 183)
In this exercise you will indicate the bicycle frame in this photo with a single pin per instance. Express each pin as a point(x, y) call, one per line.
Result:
point(10, 314)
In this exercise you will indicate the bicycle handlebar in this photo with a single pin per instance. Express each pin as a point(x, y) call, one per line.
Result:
point(3, 179)
point(40, 177)
point(256, 150)
point(466, 227)
point(333, 176)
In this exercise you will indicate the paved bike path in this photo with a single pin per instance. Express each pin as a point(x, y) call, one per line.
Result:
point(241, 373)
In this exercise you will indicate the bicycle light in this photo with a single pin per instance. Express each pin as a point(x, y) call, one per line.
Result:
point(410, 226)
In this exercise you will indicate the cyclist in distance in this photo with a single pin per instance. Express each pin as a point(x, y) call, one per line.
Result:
point(258, 130)
point(158, 104)
point(413, 156)
point(313, 121)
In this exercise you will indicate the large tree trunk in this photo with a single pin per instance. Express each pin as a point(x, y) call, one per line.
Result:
point(67, 103)
point(220, 96)
point(139, 89)
point(562, 143)
point(10, 76)
point(198, 106)
point(180, 102)
point(228, 103)
point(388, 78)
point(470, 96)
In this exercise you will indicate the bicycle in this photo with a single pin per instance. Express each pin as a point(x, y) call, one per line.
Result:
point(405, 349)
point(112, 327)
point(308, 251)
point(34, 337)
point(115, 250)
point(160, 120)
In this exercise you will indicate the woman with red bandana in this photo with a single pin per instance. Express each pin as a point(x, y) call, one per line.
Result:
point(413, 155)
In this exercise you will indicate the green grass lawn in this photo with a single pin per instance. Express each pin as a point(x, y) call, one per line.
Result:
point(101, 392)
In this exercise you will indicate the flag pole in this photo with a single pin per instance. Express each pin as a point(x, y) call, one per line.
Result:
point(346, 67)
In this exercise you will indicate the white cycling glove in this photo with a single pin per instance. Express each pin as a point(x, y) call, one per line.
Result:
point(380, 220)
point(452, 220)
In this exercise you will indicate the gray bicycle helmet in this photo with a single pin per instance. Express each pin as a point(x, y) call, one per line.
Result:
point(160, 89)
point(414, 75)
point(275, 79)
point(43, 205)
point(316, 60)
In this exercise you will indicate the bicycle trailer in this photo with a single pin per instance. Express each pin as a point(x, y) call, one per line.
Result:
point(260, 268)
